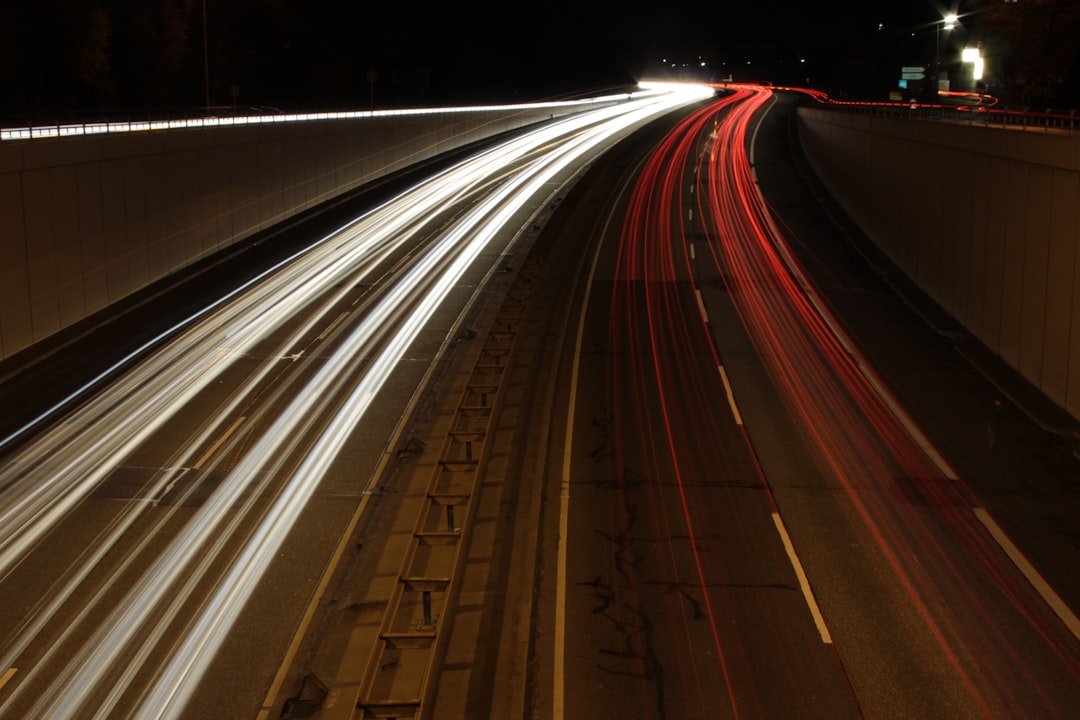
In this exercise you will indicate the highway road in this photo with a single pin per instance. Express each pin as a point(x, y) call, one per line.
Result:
point(162, 531)
point(754, 524)
point(677, 445)
point(738, 469)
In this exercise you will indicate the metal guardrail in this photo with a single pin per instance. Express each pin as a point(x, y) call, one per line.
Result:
point(131, 126)
point(1067, 122)
point(74, 129)
point(968, 108)
point(1064, 121)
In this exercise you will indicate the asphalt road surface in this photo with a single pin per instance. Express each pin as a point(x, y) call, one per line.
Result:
point(682, 446)
point(164, 532)
point(790, 488)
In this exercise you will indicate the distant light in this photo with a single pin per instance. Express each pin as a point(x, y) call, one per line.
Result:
point(971, 55)
point(53, 131)
point(881, 26)
point(802, 59)
point(950, 21)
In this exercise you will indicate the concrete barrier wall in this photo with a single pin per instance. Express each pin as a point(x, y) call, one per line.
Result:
point(986, 221)
point(86, 221)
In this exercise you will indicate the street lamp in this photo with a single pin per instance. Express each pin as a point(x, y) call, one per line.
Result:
point(948, 22)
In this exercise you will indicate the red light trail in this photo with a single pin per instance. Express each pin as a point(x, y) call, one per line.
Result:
point(915, 515)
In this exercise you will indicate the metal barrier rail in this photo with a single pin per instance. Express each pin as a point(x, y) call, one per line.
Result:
point(102, 128)
point(1067, 121)
point(968, 108)
point(75, 129)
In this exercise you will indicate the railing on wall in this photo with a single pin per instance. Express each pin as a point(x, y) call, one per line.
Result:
point(99, 128)
point(961, 107)
point(1067, 121)
point(987, 229)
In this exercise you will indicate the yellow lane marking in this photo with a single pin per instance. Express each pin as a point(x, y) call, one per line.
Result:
point(701, 306)
point(218, 443)
point(6, 677)
point(804, 584)
point(730, 396)
point(330, 329)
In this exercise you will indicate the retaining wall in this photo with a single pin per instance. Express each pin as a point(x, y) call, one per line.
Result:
point(985, 220)
point(85, 221)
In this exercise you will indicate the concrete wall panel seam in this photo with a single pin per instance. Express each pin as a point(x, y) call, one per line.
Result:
point(989, 226)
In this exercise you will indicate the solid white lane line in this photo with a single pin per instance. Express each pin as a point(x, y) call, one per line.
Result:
point(218, 443)
point(1042, 587)
point(804, 584)
point(753, 138)
point(730, 396)
point(701, 306)
point(901, 415)
point(558, 698)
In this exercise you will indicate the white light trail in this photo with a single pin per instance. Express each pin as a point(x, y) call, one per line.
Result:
point(103, 128)
point(56, 473)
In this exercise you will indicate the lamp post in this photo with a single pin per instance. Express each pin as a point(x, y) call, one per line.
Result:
point(949, 22)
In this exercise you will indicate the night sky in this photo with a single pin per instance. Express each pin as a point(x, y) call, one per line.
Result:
point(512, 50)
point(65, 59)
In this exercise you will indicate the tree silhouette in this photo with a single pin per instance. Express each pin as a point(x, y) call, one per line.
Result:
point(1038, 44)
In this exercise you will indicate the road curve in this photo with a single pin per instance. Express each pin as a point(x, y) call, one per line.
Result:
point(138, 528)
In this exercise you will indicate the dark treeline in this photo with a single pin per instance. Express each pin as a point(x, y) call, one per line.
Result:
point(59, 57)
point(78, 59)
point(1038, 46)
point(70, 60)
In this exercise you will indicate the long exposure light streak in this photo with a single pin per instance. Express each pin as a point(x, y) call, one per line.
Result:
point(660, 363)
point(50, 477)
point(942, 563)
point(104, 128)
